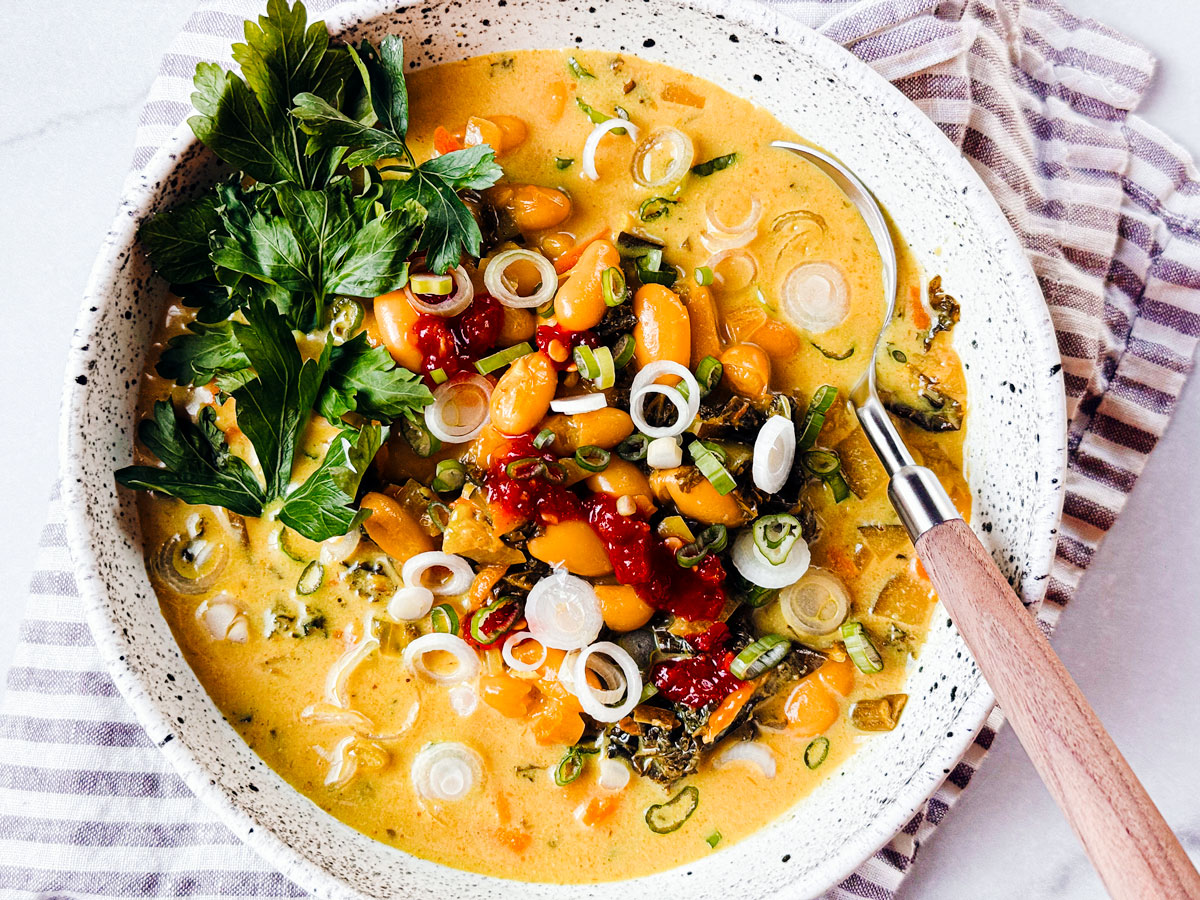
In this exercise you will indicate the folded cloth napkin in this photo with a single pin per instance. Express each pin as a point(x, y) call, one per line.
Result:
point(1108, 209)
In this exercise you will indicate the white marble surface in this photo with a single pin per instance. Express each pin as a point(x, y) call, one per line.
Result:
point(66, 129)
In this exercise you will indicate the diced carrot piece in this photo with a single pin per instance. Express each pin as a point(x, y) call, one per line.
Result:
point(567, 261)
point(722, 717)
point(811, 708)
point(516, 840)
point(444, 142)
point(597, 809)
point(777, 338)
point(837, 675)
point(481, 588)
point(507, 695)
point(920, 318)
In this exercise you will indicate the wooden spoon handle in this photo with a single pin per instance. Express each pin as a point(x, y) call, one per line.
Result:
point(1122, 831)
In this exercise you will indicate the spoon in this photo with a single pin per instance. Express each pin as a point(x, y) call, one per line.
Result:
point(1123, 833)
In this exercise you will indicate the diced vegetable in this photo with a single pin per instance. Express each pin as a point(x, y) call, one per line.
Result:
point(882, 714)
point(862, 651)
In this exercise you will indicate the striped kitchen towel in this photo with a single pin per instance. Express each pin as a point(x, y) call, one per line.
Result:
point(1108, 209)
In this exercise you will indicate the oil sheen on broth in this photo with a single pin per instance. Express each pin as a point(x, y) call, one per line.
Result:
point(270, 672)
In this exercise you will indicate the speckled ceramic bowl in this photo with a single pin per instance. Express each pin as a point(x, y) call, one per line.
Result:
point(1016, 434)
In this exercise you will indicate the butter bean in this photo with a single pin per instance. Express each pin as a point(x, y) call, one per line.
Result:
point(523, 394)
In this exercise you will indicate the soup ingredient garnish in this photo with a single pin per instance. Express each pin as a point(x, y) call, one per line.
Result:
point(774, 453)
point(752, 752)
point(716, 164)
point(765, 653)
point(599, 703)
point(460, 572)
point(466, 662)
point(518, 639)
point(442, 303)
point(815, 297)
point(563, 612)
point(460, 409)
point(649, 169)
point(592, 144)
point(443, 618)
point(816, 751)
point(862, 651)
point(816, 605)
point(614, 774)
point(494, 279)
point(756, 568)
point(663, 818)
point(446, 770)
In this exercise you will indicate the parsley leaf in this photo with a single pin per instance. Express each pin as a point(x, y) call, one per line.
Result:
point(197, 464)
point(450, 229)
point(178, 240)
point(201, 354)
point(366, 380)
point(274, 406)
point(375, 260)
point(245, 120)
point(323, 506)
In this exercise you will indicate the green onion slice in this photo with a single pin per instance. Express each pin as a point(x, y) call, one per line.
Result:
point(569, 768)
point(713, 839)
point(622, 351)
point(862, 651)
point(713, 539)
point(822, 402)
point(821, 462)
point(585, 361)
point(708, 374)
point(764, 654)
point(502, 358)
point(450, 475)
point(816, 751)
point(311, 578)
point(444, 619)
point(704, 276)
point(608, 369)
point(428, 283)
point(563, 162)
point(612, 283)
point(420, 438)
point(633, 448)
point(837, 483)
point(595, 115)
point(715, 164)
point(439, 376)
point(555, 472)
point(546, 310)
point(439, 514)
point(525, 469)
point(775, 535)
point(592, 458)
point(710, 467)
point(663, 818)
point(544, 439)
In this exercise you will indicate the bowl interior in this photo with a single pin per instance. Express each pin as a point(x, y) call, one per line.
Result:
point(955, 229)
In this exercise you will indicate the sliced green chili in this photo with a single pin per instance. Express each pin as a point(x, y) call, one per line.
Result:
point(633, 448)
point(345, 318)
point(663, 818)
point(569, 768)
point(716, 164)
point(592, 458)
point(612, 283)
point(623, 350)
point(563, 162)
point(708, 374)
point(311, 578)
point(816, 751)
point(526, 468)
point(420, 438)
point(822, 402)
point(439, 514)
point(444, 619)
point(450, 475)
point(505, 608)
point(775, 536)
point(544, 439)
point(655, 208)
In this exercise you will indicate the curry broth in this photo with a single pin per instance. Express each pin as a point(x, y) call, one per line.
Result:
point(265, 685)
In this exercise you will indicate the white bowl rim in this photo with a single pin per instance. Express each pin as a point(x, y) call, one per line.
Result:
point(942, 756)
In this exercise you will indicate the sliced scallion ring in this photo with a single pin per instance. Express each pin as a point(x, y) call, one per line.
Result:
point(663, 818)
point(710, 467)
point(585, 361)
point(448, 304)
point(502, 358)
point(592, 458)
point(444, 619)
point(428, 283)
point(816, 751)
point(708, 374)
point(607, 376)
point(816, 605)
point(612, 283)
point(862, 652)
point(633, 448)
point(814, 419)
point(494, 281)
point(713, 539)
point(450, 475)
point(544, 439)
point(623, 350)
point(525, 468)
point(764, 654)
point(704, 276)
point(569, 768)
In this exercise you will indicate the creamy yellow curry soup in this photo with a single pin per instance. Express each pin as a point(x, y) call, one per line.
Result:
point(499, 482)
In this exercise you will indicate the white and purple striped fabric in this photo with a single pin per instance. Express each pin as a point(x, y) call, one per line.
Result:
point(1108, 209)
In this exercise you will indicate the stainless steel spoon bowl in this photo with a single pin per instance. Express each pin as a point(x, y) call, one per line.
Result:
point(915, 492)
